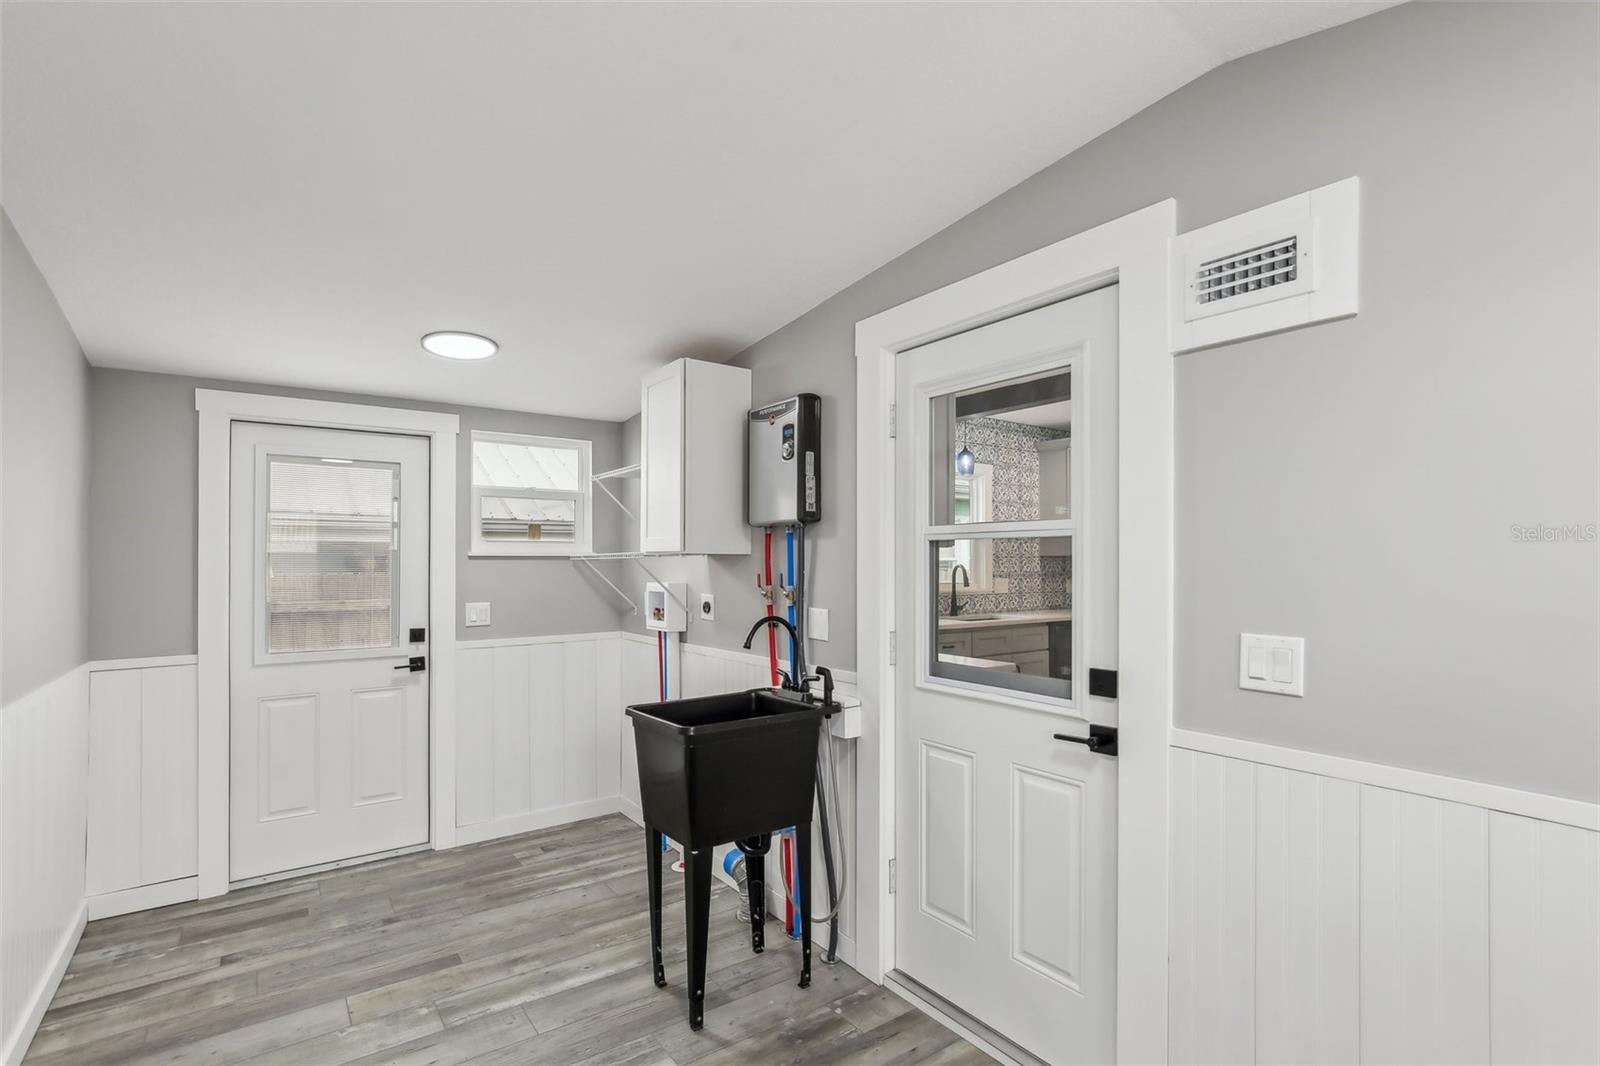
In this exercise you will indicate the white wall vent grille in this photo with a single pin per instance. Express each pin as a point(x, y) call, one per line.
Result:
point(1284, 265)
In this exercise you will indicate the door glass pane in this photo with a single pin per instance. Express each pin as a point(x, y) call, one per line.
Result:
point(332, 539)
point(1016, 438)
point(506, 518)
point(1013, 628)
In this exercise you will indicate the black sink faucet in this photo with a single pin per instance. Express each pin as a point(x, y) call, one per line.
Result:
point(793, 680)
point(955, 604)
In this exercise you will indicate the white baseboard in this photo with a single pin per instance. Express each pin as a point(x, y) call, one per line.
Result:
point(527, 823)
point(45, 991)
point(143, 898)
point(630, 810)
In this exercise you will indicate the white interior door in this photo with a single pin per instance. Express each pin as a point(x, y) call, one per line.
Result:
point(328, 573)
point(1007, 595)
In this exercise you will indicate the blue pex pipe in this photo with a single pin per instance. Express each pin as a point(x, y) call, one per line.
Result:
point(794, 583)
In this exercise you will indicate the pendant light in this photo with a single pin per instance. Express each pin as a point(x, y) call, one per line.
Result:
point(966, 461)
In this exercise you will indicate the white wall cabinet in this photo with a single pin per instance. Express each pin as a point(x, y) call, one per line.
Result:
point(1055, 491)
point(692, 443)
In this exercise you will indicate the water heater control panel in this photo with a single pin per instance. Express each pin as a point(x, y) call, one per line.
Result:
point(785, 461)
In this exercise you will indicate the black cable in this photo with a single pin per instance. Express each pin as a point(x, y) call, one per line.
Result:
point(827, 857)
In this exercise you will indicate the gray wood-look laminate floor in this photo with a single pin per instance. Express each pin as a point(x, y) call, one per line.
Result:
point(527, 949)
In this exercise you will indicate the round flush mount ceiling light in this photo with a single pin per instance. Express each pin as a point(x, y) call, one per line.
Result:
point(454, 344)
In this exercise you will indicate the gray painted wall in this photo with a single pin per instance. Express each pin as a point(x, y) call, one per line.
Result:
point(1354, 483)
point(143, 520)
point(44, 451)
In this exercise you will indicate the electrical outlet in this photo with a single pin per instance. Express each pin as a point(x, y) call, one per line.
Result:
point(477, 614)
point(708, 607)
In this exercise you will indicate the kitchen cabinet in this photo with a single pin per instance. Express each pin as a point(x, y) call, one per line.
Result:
point(1028, 646)
point(691, 461)
point(955, 644)
point(1055, 491)
point(1036, 663)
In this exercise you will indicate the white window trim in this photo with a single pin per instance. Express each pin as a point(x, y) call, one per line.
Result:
point(582, 543)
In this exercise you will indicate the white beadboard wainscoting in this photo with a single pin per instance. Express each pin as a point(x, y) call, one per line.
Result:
point(142, 789)
point(1316, 918)
point(536, 733)
point(43, 759)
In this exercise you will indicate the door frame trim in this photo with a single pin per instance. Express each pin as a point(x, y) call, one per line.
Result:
point(1131, 251)
point(218, 410)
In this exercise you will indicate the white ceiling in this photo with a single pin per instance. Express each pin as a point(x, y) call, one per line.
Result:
point(295, 193)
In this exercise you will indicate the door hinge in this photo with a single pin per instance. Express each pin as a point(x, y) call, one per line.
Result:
point(891, 877)
point(892, 420)
point(891, 647)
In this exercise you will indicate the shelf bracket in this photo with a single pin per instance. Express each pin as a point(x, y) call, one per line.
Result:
point(623, 596)
point(601, 485)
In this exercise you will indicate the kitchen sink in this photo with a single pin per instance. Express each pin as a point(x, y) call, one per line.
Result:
point(964, 617)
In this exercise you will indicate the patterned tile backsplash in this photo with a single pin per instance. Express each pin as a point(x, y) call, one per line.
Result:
point(1037, 582)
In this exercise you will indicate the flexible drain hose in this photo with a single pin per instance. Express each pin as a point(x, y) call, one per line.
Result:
point(835, 894)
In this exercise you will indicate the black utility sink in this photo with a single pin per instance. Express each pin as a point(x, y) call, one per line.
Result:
point(717, 769)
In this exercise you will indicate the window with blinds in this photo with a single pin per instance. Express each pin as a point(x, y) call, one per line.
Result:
point(332, 547)
point(530, 495)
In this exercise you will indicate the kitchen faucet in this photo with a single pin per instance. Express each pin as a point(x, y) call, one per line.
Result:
point(955, 604)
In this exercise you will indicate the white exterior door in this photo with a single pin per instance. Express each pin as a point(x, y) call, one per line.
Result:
point(1006, 836)
point(328, 573)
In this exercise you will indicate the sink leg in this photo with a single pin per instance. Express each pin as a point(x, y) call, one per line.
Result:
point(755, 871)
point(652, 873)
point(802, 858)
point(697, 919)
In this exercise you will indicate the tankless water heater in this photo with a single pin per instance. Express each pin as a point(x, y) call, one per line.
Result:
point(785, 462)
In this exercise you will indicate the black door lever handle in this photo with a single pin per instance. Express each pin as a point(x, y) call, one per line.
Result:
point(1102, 739)
point(416, 664)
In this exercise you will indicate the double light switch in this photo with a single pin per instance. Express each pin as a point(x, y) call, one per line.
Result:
point(1272, 664)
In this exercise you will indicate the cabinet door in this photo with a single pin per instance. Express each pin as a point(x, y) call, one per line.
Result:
point(661, 461)
point(1055, 492)
point(1036, 663)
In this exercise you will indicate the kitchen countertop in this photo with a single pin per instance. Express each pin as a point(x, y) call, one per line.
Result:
point(1003, 665)
point(958, 623)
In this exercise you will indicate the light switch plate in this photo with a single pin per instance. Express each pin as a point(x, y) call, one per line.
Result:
point(1272, 664)
point(817, 623)
point(477, 614)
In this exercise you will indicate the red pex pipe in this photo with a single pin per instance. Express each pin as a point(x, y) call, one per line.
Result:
point(661, 669)
point(772, 631)
point(787, 847)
